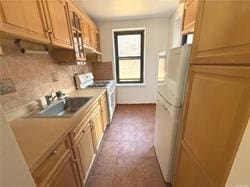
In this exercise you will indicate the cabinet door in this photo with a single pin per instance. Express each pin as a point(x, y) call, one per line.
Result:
point(190, 9)
point(86, 30)
point(24, 19)
point(98, 45)
point(222, 33)
point(58, 168)
point(84, 149)
point(97, 128)
point(104, 111)
point(59, 23)
point(66, 173)
point(75, 20)
point(93, 41)
point(216, 114)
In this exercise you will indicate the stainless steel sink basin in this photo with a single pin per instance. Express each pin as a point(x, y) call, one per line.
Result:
point(62, 108)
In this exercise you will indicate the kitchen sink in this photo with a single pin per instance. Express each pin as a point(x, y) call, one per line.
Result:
point(63, 108)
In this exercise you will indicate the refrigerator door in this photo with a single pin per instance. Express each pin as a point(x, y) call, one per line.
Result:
point(176, 74)
point(165, 135)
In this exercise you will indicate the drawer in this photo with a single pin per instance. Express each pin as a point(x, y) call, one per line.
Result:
point(93, 114)
point(44, 170)
point(79, 128)
point(84, 122)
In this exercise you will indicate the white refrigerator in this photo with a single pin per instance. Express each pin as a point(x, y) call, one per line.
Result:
point(172, 75)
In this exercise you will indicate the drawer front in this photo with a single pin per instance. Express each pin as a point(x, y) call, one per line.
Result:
point(43, 172)
point(83, 123)
point(80, 127)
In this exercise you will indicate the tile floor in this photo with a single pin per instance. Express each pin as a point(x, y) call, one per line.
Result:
point(126, 156)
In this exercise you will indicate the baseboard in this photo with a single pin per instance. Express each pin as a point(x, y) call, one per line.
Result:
point(136, 103)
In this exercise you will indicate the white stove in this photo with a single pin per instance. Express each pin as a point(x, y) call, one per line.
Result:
point(86, 80)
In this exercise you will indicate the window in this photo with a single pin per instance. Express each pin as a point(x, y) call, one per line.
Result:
point(129, 56)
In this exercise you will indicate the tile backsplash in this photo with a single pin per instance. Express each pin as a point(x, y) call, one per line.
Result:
point(33, 75)
point(103, 71)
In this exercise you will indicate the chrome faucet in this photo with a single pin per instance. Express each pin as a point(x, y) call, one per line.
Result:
point(50, 98)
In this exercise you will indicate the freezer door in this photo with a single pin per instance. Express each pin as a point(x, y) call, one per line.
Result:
point(165, 135)
point(177, 67)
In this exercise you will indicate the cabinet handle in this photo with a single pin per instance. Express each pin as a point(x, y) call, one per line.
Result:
point(48, 31)
point(54, 152)
point(92, 126)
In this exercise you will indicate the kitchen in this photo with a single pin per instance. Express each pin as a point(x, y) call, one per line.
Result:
point(125, 93)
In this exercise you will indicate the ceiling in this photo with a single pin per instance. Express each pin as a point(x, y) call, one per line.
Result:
point(110, 10)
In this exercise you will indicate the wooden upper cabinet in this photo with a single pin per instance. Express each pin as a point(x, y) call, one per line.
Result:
point(222, 33)
point(77, 32)
point(49, 22)
point(98, 40)
point(57, 16)
point(93, 39)
point(190, 8)
point(86, 31)
point(90, 33)
point(24, 19)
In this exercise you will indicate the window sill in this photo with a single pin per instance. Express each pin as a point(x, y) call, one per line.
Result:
point(130, 84)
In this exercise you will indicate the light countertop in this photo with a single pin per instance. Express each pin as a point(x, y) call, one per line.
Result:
point(38, 136)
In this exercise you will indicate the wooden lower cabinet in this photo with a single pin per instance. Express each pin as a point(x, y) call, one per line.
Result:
point(59, 169)
point(97, 127)
point(215, 117)
point(70, 161)
point(104, 111)
point(66, 173)
point(84, 150)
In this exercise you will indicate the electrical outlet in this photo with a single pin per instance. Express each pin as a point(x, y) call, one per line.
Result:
point(6, 86)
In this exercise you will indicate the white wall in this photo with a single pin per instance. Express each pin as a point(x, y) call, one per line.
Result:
point(156, 41)
point(239, 174)
point(175, 27)
point(13, 169)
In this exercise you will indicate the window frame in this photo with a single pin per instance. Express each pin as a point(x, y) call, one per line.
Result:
point(141, 57)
